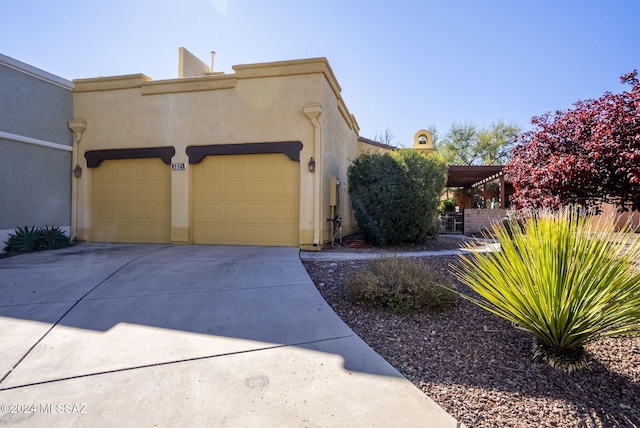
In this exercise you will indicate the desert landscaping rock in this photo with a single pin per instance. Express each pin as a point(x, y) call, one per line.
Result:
point(478, 366)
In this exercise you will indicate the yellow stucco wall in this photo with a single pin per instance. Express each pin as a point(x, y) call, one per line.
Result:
point(340, 148)
point(258, 103)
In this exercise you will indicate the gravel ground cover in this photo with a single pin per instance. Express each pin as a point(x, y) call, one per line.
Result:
point(478, 367)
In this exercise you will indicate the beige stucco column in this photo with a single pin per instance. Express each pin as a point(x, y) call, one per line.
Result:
point(313, 112)
point(181, 200)
point(78, 127)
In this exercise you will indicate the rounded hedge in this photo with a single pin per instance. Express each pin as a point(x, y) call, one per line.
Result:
point(395, 195)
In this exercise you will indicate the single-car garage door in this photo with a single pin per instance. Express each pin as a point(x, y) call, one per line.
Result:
point(251, 199)
point(131, 201)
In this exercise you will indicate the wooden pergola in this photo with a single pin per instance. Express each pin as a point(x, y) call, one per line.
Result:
point(470, 176)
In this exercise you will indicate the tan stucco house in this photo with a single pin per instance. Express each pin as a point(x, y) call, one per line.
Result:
point(257, 157)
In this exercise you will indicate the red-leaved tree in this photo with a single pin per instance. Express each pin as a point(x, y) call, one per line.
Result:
point(583, 155)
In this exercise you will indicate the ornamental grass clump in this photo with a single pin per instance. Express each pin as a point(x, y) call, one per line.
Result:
point(565, 277)
point(399, 284)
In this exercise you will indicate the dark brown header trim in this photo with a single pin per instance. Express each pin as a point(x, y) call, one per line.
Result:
point(95, 157)
point(290, 148)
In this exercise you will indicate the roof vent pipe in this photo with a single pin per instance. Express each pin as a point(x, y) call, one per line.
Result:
point(213, 54)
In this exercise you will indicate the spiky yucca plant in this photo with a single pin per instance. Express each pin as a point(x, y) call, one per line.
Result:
point(566, 277)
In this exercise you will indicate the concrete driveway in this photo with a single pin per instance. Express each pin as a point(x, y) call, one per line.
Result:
point(107, 335)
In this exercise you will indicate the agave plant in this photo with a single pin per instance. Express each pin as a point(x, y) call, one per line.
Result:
point(28, 240)
point(24, 240)
point(52, 238)
point(565, 277)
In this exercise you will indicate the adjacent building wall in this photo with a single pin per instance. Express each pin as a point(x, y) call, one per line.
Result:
point(366, 145)
point(35, 148)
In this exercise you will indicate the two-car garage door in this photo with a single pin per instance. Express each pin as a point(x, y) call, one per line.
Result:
point(249, 199)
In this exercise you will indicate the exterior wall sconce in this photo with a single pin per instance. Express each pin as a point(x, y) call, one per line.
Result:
point(311, 165)
point(77, 171)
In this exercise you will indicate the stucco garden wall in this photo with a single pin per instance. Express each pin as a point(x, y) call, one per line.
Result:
point(475, 220)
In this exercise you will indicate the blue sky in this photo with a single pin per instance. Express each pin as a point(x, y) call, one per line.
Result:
point(402, 65)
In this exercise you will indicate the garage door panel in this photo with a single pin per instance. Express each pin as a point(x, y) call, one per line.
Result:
point(257, 195)
point(140, 231)
point(132, 201)
point(234, 190)
point(256, 212)
point(104, 233)
point(283, 190)
point(258, 189)
point(125, 191)
point(124, 213)
point(144, 171)
point(234, 234)
point(126, 232)
point(122, 171)
point(283, 234)
point(209, 213)
point(144, 192)
point(160, 215)
point(228, 166)
point(213, 173)
point(104, 191)
point(104, 212)
point(258, 169)
point(213, 231)
point(207, 191)
point(281, 213)
point(143, 212)
point(273, 235)
point(233, 212)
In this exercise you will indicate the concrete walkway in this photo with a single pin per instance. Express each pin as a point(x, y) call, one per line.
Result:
point(484, 245)
point(107, 335)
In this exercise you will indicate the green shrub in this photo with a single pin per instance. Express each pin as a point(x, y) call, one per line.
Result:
point(566, 278)
point(399, 284)
point(395, 195)
point(447, 205)
point(434, 228)
point(27, 240)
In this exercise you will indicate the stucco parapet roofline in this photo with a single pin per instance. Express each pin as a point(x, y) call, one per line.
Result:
point(215, 81)
point(294, 67)
point(287, 68)
point(210, 82)
point(127, 81)
point(377, 144)
point(32, 71)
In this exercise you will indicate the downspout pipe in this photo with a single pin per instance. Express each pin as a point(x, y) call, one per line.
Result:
point(313, 112)
point(78, 127)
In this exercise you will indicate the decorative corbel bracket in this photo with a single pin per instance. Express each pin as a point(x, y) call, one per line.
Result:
point(78, 127)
